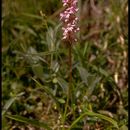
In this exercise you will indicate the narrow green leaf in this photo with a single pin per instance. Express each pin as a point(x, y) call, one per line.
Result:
point(89, 113)
point(38, 53)
point(86, 48)
point(62, 83)
point(7, 105)
point(92, 81)
point(102, 71)
point(47, 90)
point(124, 127)
point(32, 16)
point(5, 124)
point(10, 102)
point(61, 101)
point(38, 70)
point(29, 121)
point(83, 74)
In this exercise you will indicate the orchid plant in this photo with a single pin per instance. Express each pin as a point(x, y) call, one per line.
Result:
point(70, 28)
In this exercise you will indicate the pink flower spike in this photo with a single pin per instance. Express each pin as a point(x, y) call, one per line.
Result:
point(69, 19)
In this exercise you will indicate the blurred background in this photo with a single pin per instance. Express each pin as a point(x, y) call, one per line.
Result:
point(32, 49)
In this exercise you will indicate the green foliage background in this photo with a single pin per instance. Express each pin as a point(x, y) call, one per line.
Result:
point(35, 65)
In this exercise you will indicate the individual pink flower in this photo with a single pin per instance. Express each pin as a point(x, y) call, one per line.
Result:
point(69, 19)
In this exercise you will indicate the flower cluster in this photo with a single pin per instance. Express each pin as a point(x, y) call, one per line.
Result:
point(69, 19)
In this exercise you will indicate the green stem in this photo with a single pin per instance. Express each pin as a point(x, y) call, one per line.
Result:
point(69, 96)
point(70, 72)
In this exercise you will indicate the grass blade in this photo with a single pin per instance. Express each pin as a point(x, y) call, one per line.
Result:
point(29, 121)
point(89, 113)
point(32, 16)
